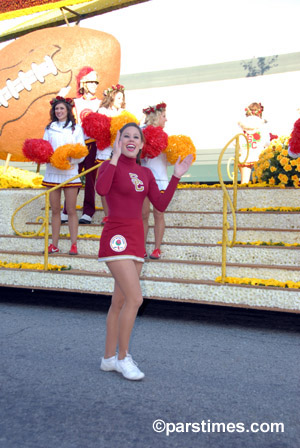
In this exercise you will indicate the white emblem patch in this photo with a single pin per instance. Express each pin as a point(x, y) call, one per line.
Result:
point(138, 184)
point(118, 243)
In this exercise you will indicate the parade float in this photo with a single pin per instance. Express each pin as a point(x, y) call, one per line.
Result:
point(224, 245)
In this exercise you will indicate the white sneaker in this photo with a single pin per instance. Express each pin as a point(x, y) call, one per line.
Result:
point(109, 364)
point(63, 218)
point(85, 219)
point(129, 369)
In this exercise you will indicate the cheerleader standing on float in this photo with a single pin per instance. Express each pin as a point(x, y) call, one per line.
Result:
point(60, 131)
point(87, 102)
point(255, 129)
point(126, 184)
point(113, 103)
point(156, 116)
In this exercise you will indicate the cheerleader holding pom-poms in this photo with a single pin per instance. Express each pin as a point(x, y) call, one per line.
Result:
point(156, 161)
point(158, 151)
point(67, 140)
point(113, 107)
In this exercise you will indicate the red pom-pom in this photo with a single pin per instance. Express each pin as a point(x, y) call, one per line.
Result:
point(95, 125)
point(294, 143)
point(156, 141)
point(37, 150)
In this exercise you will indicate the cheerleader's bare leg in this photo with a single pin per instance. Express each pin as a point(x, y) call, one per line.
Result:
point(159, 227)
point(126, 300)
point(55, 197)
point(71, 199)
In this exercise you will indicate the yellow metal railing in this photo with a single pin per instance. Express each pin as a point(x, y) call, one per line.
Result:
point(227, 200)
point(45, 220)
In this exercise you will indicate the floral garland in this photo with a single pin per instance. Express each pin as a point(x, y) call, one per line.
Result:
point(37, 266)
point(17, 178)
point(269, 209)
point(64, 235)
point(264, 243)
point(37, 150)
point(152, 109)
point(179, 146)
point(62, 99)
point(60, 157)
point(259, 282)
point(156, 141)
point(118, 121)
point(116, 88)
point(276, 167)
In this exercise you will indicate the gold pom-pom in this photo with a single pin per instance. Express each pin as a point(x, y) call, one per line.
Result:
point(179, 145)
point(62, 154)
point(118, 122)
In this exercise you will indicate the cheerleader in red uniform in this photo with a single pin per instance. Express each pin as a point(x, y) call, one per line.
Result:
point(125, 184)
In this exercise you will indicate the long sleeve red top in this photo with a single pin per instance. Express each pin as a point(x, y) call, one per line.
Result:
point(126, 185)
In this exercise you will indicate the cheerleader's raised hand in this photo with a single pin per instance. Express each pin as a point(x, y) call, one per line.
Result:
point(180, 168)
point(116, 150)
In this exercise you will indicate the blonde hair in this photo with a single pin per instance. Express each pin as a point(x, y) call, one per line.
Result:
point(153, 117)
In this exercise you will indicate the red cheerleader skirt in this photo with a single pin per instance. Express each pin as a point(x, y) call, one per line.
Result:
point(122, 239)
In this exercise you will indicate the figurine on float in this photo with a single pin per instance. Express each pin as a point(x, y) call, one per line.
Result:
point(255, 129)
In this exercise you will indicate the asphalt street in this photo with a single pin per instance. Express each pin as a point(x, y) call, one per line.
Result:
point(211, 372)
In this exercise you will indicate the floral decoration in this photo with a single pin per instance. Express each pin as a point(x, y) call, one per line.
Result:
point(264, 243)
point(17, 178)
point(259, 282)
point(59, 99)
point(276, 167)
point(269, 209)
point(152, 109)
point(37, 266)
point(116, 88)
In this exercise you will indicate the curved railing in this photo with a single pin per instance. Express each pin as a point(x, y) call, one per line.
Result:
point(227, 200)
point(45, 220)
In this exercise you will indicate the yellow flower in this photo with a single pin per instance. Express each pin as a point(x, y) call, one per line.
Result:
point(287, 167)
point(272, 181)
point(283, 178)
point(273, 169)
point(284, 161)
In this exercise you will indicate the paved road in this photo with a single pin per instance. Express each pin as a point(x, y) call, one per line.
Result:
point(203, 365)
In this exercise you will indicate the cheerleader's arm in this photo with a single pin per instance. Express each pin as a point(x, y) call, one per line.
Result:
point(158, 199)
point(105, 178)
